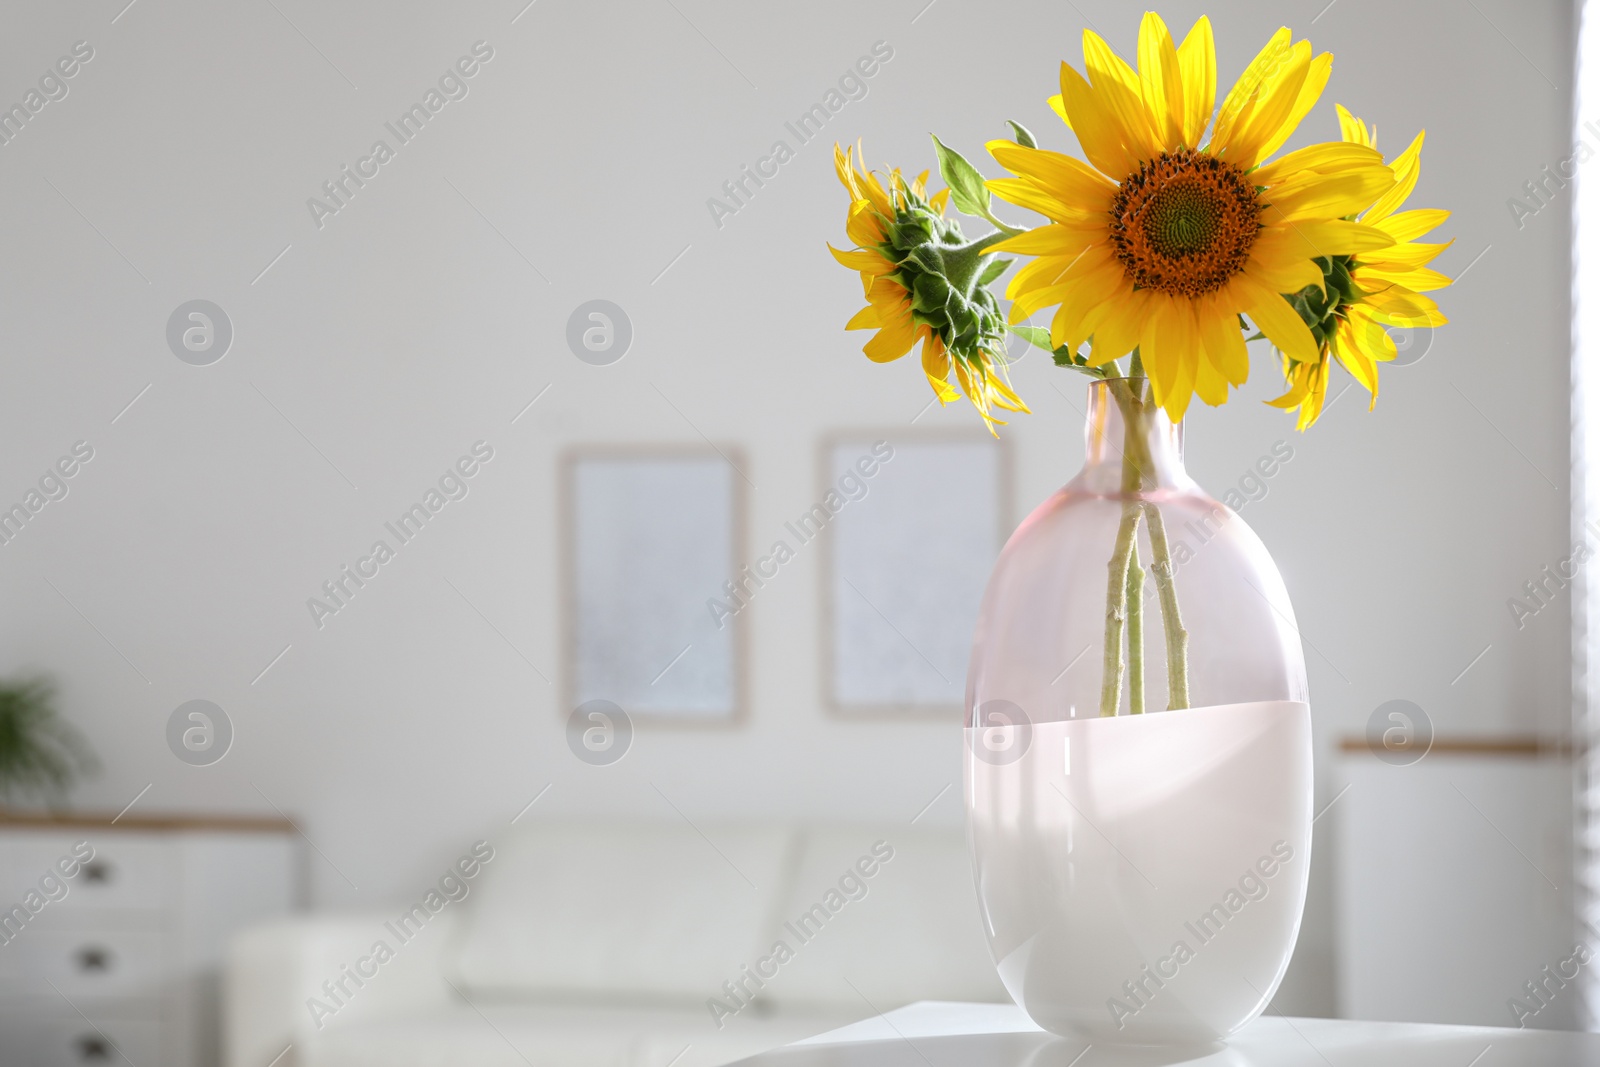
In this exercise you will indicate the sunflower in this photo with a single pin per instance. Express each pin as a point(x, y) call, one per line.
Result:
point(1363, 295)
point(924, 281)
point(1164, 238)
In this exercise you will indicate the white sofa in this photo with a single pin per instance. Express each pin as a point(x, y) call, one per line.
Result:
point(610, 944)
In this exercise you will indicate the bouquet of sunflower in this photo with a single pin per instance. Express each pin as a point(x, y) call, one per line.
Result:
point(1177, 243)
point(1173, 245)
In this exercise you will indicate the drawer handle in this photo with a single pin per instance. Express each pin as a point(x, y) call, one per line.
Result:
point(93, 1048)
point(97, 871)
point(94, 958)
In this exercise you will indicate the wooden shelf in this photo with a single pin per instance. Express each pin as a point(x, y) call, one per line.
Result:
point(1502, 745)
point(91, 820)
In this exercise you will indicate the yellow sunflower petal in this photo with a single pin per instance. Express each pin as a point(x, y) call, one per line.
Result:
point(1055, 239)
point(1329, 157)
point(1326, 196)
point(1410, 319)
point(1299, 387)
point(1409, 225)
point(1282, 274)
point(1057, 279)
point(894, 339)
point(1401, 306)
point(1091, 119)
point(1045, 270)
point(1264, 116)
point(1246, 89)
point(1169, 348)
point(864, 260)
point(1353, 358)
point(1407, 167)
point(842, 168)
point(1418, 280)
point(1353, 129)
point(936, 366)
point(868, 318)
point(1118, 87)
point(1209, 384)
point(1310, 92)
point(1368, 342)
point(867, 185)
point(1120, 330)
point(1274, 317)
point(889, 297)
point(1311, 408)
point(1197, 61)
point(1315, 238)
point(1223, 342)
point(1161, 81)
point(1004, 396)
point(864, 225)
point(1407, 255)
point(1083, 305)
point(1024, 192)
point(1070, 180)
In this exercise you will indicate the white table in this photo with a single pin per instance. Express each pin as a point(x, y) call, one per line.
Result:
point(932, 1034)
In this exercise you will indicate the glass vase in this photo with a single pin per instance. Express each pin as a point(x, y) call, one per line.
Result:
point(1138, 760)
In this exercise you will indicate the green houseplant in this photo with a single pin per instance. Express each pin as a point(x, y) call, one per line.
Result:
point(41, 754)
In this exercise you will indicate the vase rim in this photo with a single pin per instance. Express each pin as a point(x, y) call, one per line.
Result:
point(1108, 436)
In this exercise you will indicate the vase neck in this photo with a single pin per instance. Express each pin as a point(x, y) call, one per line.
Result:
point(1131, 444)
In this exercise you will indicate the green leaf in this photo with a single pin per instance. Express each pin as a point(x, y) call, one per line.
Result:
point(995, 268)
point(1037, 336)
point(1066, 357)
point(1024, 137)
point(968, 194)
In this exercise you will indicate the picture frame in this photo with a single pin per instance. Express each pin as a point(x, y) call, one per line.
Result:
point(894, 641)
point(649, 534)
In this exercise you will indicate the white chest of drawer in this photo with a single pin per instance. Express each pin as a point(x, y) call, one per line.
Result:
point(111, 936)
point(57, 1041)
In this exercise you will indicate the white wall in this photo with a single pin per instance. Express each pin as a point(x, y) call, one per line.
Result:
point(408, 327)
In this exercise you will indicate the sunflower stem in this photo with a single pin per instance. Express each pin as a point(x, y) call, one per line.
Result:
point(962, 262)
point(1122, 554)
point(1135, 598)
point(1005, 231)
point(1171, 618)
point(1117, 609)
point(1125, 581)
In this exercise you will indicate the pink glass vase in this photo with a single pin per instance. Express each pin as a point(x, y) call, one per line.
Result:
point(1138, 762)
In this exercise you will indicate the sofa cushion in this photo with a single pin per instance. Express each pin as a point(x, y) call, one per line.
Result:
point(910, 930)
point(645, 911)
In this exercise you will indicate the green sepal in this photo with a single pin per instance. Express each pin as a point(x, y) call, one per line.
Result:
point(995, 268)
point(1322, 307)
point(929, 293)
point(1023, 136)
point(968, 194)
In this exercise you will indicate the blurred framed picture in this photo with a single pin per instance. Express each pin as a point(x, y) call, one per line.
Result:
point(650, 534)
point(910, 525)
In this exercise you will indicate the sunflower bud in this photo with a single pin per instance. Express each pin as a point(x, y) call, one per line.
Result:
point(942, 271)
point(925, 281)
